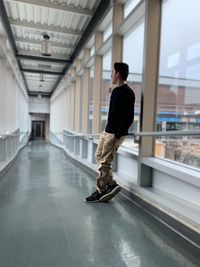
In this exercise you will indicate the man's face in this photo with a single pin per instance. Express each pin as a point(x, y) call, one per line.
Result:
point(114, 76)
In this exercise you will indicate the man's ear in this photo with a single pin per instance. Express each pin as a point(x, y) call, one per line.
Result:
point(118, 75)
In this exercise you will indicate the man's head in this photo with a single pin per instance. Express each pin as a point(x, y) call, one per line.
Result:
point(120, 72)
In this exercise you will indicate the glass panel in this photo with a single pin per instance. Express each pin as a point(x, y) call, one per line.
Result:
point(81, 103)
point(91, 100)
point(178, 100)
point(92, 51)
point(130, 6)
point(133, 45)
point(106, 85)
point(107, 33)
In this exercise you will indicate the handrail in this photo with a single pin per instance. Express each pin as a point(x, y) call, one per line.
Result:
point(166, 133)
point(141, 134)
point(79, 135)
point(161, 133)
point(14, 134)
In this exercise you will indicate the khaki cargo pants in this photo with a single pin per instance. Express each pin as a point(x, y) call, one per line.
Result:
point(105, 152)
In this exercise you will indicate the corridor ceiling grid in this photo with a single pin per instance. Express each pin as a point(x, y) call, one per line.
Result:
point(64, 21)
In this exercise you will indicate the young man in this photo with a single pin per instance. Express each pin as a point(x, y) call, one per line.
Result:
point(120, 118)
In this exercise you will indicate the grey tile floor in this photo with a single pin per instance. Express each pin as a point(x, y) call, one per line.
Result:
point(44, 221)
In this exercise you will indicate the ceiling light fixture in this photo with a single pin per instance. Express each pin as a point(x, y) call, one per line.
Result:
point(46, 45)
point(42, 77)
point(40, 92)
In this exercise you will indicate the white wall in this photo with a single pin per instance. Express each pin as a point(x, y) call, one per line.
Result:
point(13, 97)
point(23, 117)
point(58, 112)
point(39, 105)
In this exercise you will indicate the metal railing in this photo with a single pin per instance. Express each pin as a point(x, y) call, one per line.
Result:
point(135, 135)
point(10, 142)
point(84, 145)
point(166, 133)
point(161, 133)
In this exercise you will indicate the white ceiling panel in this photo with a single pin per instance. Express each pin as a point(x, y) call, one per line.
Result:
point(64, 21)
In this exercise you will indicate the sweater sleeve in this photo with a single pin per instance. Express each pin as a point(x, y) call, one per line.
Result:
point(126, 116)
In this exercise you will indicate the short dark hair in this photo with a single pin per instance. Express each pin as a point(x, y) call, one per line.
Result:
point(122, 68)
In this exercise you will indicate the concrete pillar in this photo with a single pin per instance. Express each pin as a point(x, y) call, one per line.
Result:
point(72, 95)
point(77, 103)
point(85, 92)
point(68, 108)
point(97, 84)
point(97, 94)
point(62, 96)
point(14, 100)
point(149, 94)
point(117, 39)
point(3, 87)
point(98, 41)
point(8, 97)
point(151, 59)
point(85, 100)
point(3, 91)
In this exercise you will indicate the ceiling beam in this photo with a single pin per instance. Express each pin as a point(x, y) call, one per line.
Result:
point(97, 17)
point(58, 7)
point(42, 71)
point(44, 28)
point(49, 59)
point(6, 25)
point(43, 89)
point(40, 87)
point(37, 80)
point(37, 53)
point(38, 42)
point(36, 77)
point(43, 94)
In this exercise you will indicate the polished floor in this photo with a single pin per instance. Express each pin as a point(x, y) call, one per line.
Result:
point(44, 221)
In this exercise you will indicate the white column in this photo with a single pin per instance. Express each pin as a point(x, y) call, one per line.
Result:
point(85, 109)
point(72, 95)
point(77, 103)
point(68, 108)
point(3, 86)
point(149, 94)
point(117, 39)
point(14, 101)
point(151, 58)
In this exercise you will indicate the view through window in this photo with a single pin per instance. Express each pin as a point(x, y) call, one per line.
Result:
point(106, 85)
point(133, 46)
point(178, 99)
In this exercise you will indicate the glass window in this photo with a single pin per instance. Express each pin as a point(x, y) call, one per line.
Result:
point(133, 45)
point(91, 100)
point(178, 98)
point(81, 102)
point(107, 33)
point(130, 6)
point(92, 51)
point(106, 85)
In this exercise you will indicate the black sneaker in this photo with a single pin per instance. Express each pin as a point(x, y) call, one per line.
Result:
point(111, 191)
point(95, 197)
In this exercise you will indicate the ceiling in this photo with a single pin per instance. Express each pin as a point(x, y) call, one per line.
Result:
point(68, 23)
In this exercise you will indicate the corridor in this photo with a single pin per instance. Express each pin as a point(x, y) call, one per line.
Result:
point(44, 221)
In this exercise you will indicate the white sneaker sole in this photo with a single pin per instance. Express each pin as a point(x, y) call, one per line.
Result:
point(92, 201)
point(111, 194)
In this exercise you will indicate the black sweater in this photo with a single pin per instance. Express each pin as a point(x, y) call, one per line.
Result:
point(121, 111)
